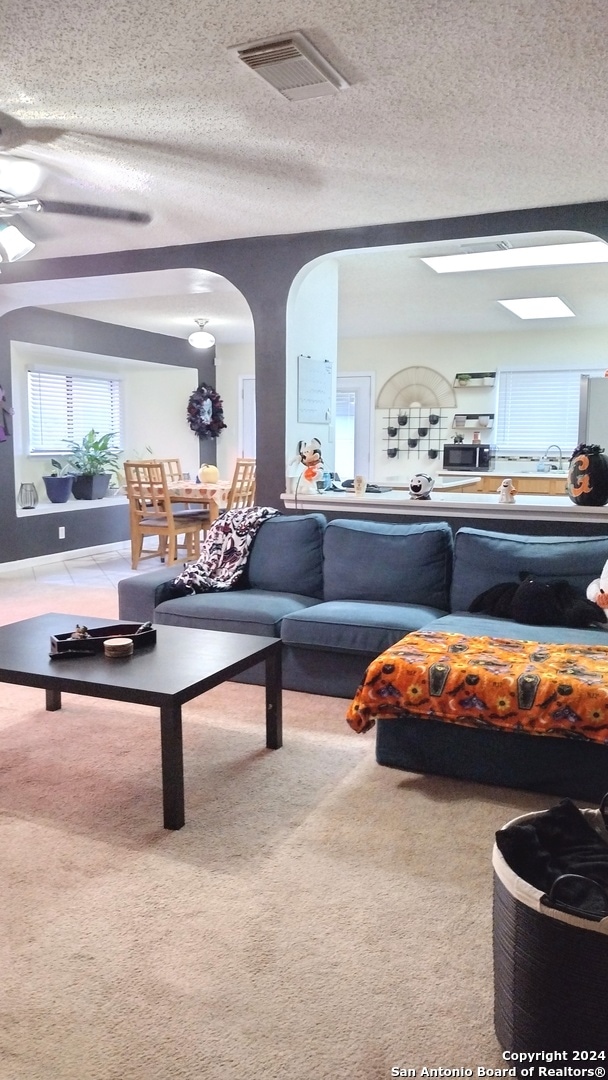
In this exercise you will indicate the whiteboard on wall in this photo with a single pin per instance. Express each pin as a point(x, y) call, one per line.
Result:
point(314, 390)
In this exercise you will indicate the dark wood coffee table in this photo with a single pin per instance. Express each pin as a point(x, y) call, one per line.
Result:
point(183, 664)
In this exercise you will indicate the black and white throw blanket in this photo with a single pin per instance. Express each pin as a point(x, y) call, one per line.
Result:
point(224, 554)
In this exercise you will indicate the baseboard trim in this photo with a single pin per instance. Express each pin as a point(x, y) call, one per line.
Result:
point(64, 556)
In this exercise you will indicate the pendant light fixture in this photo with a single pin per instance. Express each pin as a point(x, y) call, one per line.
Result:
point(201, 338)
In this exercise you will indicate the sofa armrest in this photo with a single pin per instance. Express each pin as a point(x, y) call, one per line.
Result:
point(137, 594)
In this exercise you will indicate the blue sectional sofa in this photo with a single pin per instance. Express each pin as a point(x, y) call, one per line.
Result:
point(338, 593)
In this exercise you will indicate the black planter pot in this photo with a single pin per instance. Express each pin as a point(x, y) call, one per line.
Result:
point(58, 488)
point(89, 486)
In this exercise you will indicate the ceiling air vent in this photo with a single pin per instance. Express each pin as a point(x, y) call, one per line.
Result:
point(293, 66)
point(493, 245)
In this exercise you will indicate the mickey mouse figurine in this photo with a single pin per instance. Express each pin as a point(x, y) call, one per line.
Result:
point(310, 457)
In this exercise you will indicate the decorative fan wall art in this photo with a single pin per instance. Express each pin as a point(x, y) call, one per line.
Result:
point(416, 384)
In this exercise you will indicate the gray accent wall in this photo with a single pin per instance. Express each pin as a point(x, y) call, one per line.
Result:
point(263, 269)
point(27, 537)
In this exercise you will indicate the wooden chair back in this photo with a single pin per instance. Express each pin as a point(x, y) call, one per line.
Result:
point(242, 489)
point(146, 488)
point(173, 468)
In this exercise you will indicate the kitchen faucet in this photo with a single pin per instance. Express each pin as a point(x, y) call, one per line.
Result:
point(554, 446)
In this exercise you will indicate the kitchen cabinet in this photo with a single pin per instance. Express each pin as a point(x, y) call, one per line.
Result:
point(542, 484)
point(467, 485)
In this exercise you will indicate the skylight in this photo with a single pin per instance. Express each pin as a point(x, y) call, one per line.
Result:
point(538, 307)
point(592, 251)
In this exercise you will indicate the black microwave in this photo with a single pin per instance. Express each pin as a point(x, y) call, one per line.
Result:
point(468, 457)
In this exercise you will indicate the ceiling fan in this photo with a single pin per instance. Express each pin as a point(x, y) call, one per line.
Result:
point(11, 204)
point(22, 177)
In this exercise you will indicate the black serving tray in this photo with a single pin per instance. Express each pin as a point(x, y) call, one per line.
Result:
point(65, 644)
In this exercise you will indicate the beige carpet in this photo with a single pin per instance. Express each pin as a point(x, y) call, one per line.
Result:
point(318, 916)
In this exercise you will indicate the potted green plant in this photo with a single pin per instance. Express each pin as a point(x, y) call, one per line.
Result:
point(93, 461)
point(58, 483)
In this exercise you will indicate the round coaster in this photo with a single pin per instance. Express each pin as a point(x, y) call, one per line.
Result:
point(118, 646)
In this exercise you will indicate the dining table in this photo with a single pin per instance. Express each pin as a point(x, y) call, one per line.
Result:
point(214, 495)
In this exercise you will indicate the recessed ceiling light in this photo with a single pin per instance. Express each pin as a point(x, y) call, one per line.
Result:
point(538, 307)
point(591, 251)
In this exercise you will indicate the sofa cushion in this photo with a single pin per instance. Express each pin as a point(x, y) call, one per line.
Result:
point(137, 594)
point(354, 626)
point(400, 564)
point(235, 611)
point(287, 556)
point(491, 626)
point(483, 559)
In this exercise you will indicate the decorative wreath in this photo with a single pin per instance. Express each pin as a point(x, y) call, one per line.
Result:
point(206, 412)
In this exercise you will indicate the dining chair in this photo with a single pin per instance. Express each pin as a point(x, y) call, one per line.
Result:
point(151, 513)
point(173, 468)
point(242, 488)
point(174, 471)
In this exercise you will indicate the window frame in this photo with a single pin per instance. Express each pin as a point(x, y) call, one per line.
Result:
point(508, 438)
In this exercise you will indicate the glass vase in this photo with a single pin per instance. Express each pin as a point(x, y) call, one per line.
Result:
point(27, 497)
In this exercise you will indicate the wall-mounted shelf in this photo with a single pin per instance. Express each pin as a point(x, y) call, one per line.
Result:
point(481, 421)
point(465, 379)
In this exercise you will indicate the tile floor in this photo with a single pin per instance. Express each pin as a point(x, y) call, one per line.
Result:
point(86, 571)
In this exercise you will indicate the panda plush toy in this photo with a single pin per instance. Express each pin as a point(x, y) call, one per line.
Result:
point(597, 591)
point(421, 486)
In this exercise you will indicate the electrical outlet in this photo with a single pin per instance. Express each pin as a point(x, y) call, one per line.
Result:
point(62, 532)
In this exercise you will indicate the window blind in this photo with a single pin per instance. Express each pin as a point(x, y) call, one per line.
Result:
point(537, 408)
point(63, 407)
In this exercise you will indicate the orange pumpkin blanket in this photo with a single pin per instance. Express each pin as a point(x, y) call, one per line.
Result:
point(542, 689)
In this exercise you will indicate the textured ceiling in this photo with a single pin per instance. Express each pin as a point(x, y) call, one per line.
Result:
point(453, 108)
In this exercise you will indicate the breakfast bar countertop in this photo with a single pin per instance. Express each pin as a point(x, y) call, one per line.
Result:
point(444, 482)
point(446, 504)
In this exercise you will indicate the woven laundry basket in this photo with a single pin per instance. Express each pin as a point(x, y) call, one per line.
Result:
point(550, 967)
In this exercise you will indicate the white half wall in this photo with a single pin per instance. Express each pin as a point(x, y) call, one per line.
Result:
point(312, 331)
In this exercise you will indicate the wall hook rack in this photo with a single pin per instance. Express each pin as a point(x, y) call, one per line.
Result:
point(419, 430)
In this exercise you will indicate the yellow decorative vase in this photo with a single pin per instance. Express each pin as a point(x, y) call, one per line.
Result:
point(208, 474)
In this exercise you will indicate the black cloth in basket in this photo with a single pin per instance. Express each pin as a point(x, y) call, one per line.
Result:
point(559, 852)
point(550, 943)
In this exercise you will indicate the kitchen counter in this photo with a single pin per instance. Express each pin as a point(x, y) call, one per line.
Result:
point(470, 505)
point(528, 482)
point(502, 471)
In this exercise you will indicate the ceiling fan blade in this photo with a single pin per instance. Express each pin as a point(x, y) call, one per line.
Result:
point(52, 206)
point(14, 134)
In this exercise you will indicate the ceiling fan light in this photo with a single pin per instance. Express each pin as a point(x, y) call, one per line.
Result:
point(201, 338)
point(13, 244)
point(20, 176)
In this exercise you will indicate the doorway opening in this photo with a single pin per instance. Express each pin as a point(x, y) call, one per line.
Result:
point(354, 423)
